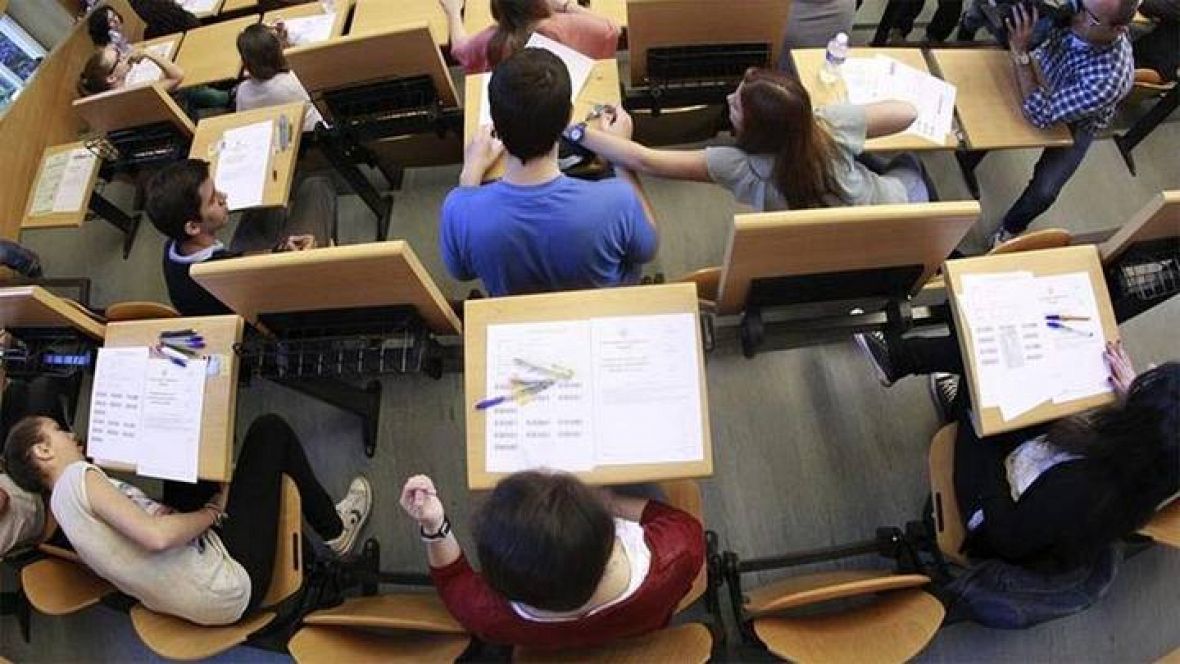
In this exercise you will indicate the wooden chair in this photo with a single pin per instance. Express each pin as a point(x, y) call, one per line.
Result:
point(685, 495)
point(139, 311)
point(707, 279)
point(948, 522)
point(60, 584)
point(391, 627)
point(1164, 527)
point(1046, 238)
point(894, 627)
point(175, 638)
point(1148, 85)
point(1170, 658)
point(691, 643)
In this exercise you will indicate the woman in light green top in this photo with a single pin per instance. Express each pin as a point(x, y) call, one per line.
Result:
point(786, 156)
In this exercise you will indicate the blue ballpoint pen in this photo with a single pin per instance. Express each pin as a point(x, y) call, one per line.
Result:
point(1062, 326)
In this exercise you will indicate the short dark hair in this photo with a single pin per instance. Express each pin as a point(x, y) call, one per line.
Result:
point(261, 52)
point(18, 453)
point(174, 196)
point(98, 25)
point(544, 539)
point(529, 95)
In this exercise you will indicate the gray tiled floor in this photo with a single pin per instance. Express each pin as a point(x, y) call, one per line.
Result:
point(809, 450)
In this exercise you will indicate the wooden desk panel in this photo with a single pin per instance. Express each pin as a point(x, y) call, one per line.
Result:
point(1083, 258)
point(209, 54)
point(221, 391)
point(343, 7)
point(33, 306)
point(135, 106)
point(361, 275)
point(808, 62)
point(601, 88)
point(574, 305)
point(1159, 219)
point(373, 16)
point(282, 164)
point(59, 219)
point(989, 103)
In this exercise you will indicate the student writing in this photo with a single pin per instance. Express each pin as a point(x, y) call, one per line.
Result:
point(269, 80)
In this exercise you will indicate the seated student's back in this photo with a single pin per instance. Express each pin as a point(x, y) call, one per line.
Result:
point(269, 80)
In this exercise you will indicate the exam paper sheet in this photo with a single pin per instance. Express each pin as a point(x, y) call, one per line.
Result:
point(146, 71)
point(305, 30)
point(1078, 348)
point(578, 65)
point(880, 78)
point(199, 6)
point(48, 180)
point(74, 184)
point(116, 405)
point(243, 164)
point(170, 432)
point(647, 390)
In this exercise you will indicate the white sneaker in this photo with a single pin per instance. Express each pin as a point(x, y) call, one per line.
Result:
point(1001, 236)
point(354, 511)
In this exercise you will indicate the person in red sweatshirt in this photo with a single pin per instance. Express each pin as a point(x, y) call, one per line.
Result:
point(562, 565)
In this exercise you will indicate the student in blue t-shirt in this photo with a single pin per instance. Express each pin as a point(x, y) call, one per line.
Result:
point(536, 229)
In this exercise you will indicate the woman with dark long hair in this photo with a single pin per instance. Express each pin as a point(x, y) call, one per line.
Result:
point(563, 21)
point(786, 155)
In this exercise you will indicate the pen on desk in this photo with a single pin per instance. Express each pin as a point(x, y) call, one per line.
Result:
point(178, 333)
point(1060, 317)
point(1062, 326)
point(527, 390)
point(172, 355)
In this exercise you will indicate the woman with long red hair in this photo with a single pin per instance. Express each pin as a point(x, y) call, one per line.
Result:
point(786, 156)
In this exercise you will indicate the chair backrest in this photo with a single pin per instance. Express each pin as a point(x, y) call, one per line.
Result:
point(323, 644)
point(948, 522)
point(421, 612)
point(685, 495)
point(1048, 238)
point(133, 310)
point(1164, 527)
point(1157, 220)
point(287, 576)
point(684, 644)
point(707, 279)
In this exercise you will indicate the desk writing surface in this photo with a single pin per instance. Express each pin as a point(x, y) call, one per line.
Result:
point(574, 305)
point(221, 391)
point(601, 88)
point(238, 6)
point(343, 7)
point(277, 189)
point(1158, 219)
point(809, 61)
point(58, 219)
point(1082, 258)
point(209, 54)
point(374, 274)
point(33, 306)
point(379, 15)
point(988, 102)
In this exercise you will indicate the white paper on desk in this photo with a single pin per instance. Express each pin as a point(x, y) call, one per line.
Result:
point(48, 180)
point(1008, 329)
point(170, 433)
point(199, 6)
point(647, 390)
point(115, 405)
point(243, 164)
point(75, 180)
point(555, 428)
point(579, 66)
point(485, 106)
point(146, 71)
point(1077, 351)
point(864, 78)
point(305, 30)
point(933, 98)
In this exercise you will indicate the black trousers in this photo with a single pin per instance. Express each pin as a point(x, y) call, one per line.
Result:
point(271, 450)
point(42, 396)
point(901, 14)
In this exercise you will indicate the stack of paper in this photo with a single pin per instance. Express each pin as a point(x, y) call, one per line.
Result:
point(243, 162)
point(64, 182)
point(578, 65)
point(199, 6)
point(306, 30)
point(146, 71)
point(868, 80)
point(1022, 360)
point(146, 412)
point(633, 395)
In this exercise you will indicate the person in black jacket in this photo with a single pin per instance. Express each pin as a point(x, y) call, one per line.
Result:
point(1160, 49)
point(164, 17)
point(185, 206)
point(1052, 497)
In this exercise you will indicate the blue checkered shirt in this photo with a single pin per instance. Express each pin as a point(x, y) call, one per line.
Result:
point(1083, 83)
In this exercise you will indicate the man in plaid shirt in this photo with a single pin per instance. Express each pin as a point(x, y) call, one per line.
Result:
point(1078, 75)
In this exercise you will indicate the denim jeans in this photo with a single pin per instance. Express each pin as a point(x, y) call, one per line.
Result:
point(1055, 167)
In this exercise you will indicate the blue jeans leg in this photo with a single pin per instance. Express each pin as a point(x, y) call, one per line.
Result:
point(1055, 167)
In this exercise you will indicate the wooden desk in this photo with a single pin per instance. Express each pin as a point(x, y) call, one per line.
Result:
point(827, 240)
point(601, 88)
point(808, 62)
point(221, 391)
point(343, 7)
point(477, 14)
point(376, 274)
point(988, 103)
point(58, 219)
point(33, 306)
point(209, 54)
point(373, 16)
point(230, 6)
point(574, 305)
point(1082, 258)
point(1159, 219)
point(136, 106)
point(278, 187)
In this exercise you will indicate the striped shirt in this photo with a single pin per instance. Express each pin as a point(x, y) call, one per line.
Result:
point(1083, 82)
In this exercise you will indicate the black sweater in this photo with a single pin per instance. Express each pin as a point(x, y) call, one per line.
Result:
point(164, 17)
point(189, 297)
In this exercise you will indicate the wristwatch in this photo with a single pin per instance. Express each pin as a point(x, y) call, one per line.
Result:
point(443, 531)
point(576, 133)
point(1022, 58)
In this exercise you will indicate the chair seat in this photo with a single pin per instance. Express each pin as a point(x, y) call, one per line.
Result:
point(818, 587)
point(420, 611)
point(948, 521)
point(322, 643)
point(683, 644)
point(894, 628)
point(176, 638)
point(57, 587)
point(1164, 527)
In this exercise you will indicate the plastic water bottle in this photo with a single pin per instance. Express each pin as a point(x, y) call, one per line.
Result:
point(837, 54)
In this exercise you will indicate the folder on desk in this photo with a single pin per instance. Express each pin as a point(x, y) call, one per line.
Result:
point(1032, 329)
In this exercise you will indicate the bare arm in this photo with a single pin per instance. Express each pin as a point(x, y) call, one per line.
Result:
point(888, 117)
point(420, 500)
point(173, 74)
point(455, 28)
point(610, 138)
point(154, 533)
point(1020, 29)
